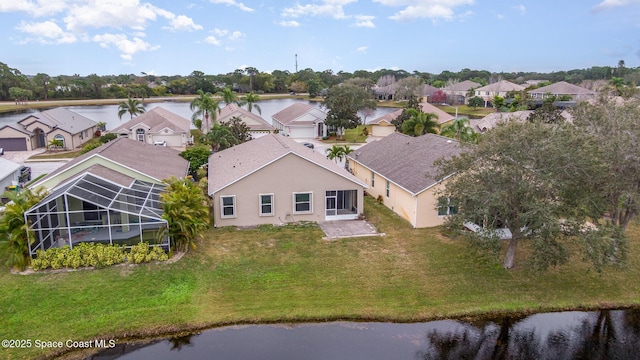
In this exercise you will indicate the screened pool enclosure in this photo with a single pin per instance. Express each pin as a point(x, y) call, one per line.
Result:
point(93, 209)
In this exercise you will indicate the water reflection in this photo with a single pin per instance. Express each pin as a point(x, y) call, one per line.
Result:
point(606, 334)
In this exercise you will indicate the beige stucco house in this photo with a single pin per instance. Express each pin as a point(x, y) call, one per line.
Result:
point(399, 170)
point(275, 180)
point(157, 126)
point(562, 88)
point(299, 121)
point(39, 129)
point(110, 195)
point(382, 125)
point(500, 88)
point(457, 93)
point(257, 125)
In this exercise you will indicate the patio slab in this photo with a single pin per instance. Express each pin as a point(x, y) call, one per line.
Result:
point(348, 228)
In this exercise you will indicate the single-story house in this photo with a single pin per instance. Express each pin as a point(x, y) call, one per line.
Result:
point(382, 125)
point(108, 195)
point(492, 120)
point(275, 180)
point(257, 125)
point(500, 88)
point(39, 129)
point(300, 120)
point(562, 88)
point(457, 93)
point(443, 116)
point(157, 126)
point(400, 170)
point(12, 175)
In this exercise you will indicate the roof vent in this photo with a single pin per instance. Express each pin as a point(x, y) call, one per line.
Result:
point(449, 141)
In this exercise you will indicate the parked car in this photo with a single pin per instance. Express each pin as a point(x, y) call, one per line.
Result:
point(160, 143)
point(309, 145)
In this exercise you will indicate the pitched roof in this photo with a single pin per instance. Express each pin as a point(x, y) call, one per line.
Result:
point(443, 116)
point(299, 114)
point(7, 168)
point(63, 119)
point(231, 165)
point(501, 86)
point(492, 120)
point(253, 121)
point(387, 117)
point(157, 119)
point(158, 162)
point(462, 86)
point(17, 127)
point(407, 161)
point(563, 88)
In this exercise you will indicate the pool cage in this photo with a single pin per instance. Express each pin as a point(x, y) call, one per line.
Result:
point(92, 209)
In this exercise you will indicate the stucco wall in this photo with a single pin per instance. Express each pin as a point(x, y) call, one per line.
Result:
point(8, 132)
point(282, 178)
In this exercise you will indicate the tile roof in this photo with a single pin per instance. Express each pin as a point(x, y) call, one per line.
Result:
point(299, 114)
point(157, 119)
point(158, 162)
point(63, 119)
point(387, 117)
point(563, 88)
point(407, 161)
point(253, 121)
point(230, 165)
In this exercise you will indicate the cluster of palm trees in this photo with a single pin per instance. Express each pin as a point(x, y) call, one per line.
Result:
point(205, 106)
point(338, 152)
point(420, 123)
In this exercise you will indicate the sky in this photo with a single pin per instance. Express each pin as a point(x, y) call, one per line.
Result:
point(173, 37)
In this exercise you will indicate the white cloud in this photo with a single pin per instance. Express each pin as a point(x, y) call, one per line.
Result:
point(520, 8)
point(35, 8)
point(500, 17)
point(290, 23)
point(127, 47)
point(182, 23)
point(47, 32)
point(236, 35)
point(610, 4)
point(362, 49)
point(212, 40)
point(364, 21)
point(425, 9)
point(240, 5)
point(333, 8)
point(113, 14)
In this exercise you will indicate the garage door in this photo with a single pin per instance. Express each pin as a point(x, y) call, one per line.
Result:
point(13, 144)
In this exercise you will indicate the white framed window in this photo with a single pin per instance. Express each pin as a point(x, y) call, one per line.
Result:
point(447, 206)
point(266, 204)
point(303, 203)
point(228, 206)
point(373, 179)
point(140, 135)
point(388, 187)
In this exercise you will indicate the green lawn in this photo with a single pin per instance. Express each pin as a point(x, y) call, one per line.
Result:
point(290, 274)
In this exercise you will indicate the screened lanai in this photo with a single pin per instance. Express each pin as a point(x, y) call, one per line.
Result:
point(94, 209)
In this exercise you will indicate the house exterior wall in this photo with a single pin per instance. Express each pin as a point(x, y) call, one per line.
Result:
point(282, 178)
point(172, 139)
point(8, 132)
point(80, 167)
point(428, 208)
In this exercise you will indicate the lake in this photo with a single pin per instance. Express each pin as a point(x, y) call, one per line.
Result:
point(109, 113)
point(605, 334)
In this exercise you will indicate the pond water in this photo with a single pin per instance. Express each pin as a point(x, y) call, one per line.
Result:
point(109, 113)
point(606, 334)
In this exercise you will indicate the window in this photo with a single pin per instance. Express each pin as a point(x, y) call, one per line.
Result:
point(373, 179)
point(228, 206)
point(266, 204)
point(60, 139)
point(140, 135)
point(388, 187)
point(302, 203)
point(446, 206)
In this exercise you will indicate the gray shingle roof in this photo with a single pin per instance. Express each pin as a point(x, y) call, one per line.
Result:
point(563, 88)
point(253, 121)
point(501, 86)
point(158, 162)
point(462, 86)
point(157, 119)
point(299, 114)
point(63, 119)
point(407, 161)
point(230, 165)
point(387, 117)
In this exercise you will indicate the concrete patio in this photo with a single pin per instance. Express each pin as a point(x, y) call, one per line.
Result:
point(348, 228)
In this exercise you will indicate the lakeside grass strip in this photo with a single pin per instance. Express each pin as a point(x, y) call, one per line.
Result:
point(289, 274)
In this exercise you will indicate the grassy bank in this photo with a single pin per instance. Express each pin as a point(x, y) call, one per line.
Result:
point(291, 274)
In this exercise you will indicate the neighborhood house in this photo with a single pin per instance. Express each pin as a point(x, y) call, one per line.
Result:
point(257, 125)
point(300, 121)
point(157, 126)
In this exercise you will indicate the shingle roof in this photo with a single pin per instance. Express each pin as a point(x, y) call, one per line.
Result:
point(63, 119)
point(7, 168)
point(492, 120)
point(299, 114)
point(253, 121)
point(157, 119)
point(407, 161)
point(501, 86)
point(462, 86)
point(17, 127)
point(158, 162)
point(443, 116)
point(387, 117)
point(563, 88)
point(230, 165)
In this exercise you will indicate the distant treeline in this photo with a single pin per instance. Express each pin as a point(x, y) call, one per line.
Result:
point(20, 87)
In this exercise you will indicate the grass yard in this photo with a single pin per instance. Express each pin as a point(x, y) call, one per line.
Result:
point(290, 274)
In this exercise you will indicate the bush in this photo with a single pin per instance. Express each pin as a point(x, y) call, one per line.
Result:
point(90, 146)
point(108, 137)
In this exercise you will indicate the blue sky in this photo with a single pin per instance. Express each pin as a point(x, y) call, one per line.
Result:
point(172, 37)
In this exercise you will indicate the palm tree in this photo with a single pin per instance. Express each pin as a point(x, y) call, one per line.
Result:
point(131, 106)
point(220, 137)
point(460, 129)
point(14, 231)
point(229, 96)
point(420, 123)
point(186, 210)
point(205, 106)
point(251, 100)
point(335, 153)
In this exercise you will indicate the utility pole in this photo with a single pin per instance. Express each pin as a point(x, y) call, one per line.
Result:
point(296, 62)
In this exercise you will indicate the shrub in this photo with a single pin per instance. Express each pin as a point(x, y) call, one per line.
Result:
point(90, 146)
point(96, 255)
point(108, 137)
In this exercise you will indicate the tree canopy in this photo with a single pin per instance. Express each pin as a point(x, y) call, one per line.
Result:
point(344, 101)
